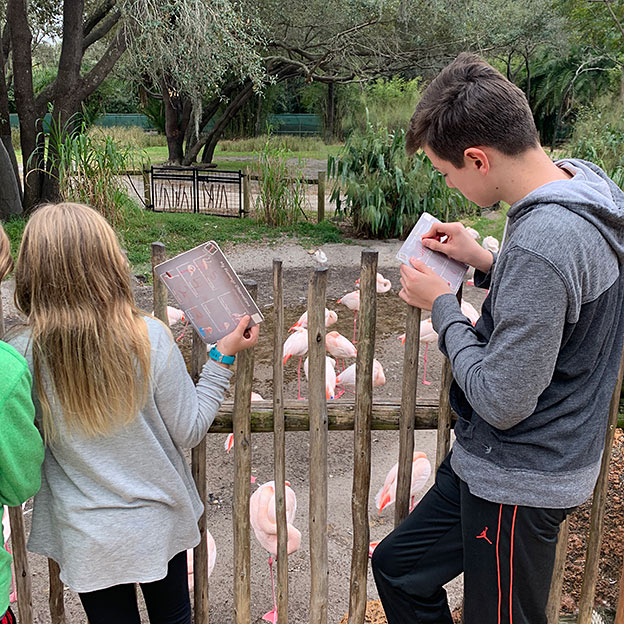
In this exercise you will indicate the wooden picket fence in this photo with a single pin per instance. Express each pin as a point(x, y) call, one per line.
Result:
point(317, 416)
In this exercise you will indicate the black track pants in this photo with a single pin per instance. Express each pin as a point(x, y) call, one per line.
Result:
point(506, 553)
point(167, 600)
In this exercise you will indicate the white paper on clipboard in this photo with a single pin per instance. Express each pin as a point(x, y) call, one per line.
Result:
point(207, 289)
point(450, 270)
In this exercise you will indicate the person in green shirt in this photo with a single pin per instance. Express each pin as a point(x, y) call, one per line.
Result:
point(21, 446)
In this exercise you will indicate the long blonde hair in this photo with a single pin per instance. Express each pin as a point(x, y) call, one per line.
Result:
point(73, 284)
point(6, 261)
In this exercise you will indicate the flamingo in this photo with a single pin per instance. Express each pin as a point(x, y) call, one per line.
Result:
point(339, 346)
point(229, 440)
point(382, 284)
point(296, 344)
point(346, 379)
point(330, 318)
point(264, 523)
point(330, 376)
point(421, 471)
point(212, 557)
point(491, 244)
point(429, 335)
point(352, 301)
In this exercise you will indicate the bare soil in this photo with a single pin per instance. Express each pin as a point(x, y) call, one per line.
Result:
point(254, 263)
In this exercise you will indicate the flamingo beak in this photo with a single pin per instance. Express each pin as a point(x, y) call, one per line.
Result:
point(287, 357)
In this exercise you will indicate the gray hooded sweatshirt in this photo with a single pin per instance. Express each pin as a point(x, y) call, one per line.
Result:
point(535, 376)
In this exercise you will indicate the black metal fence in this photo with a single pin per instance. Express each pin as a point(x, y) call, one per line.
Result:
point(195, 189)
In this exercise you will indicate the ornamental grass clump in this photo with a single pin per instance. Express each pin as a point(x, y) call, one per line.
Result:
point(384, 191)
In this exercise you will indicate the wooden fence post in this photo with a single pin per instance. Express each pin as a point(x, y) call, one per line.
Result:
point(444, 417)
point(198, 467)
point(147, 189)
point(596, 522)
point(554, 599)
point(246, 191)
point(242, 480)
point(321, 197)
point(279, 444)
point(408, 406)
point(56, 601)
point(319, 582)
point(159, 289)
point(367, 318)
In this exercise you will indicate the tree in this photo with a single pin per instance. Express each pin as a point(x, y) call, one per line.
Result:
point(82, 29)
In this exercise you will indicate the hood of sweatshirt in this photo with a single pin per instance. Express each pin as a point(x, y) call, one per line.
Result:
point(590, 194)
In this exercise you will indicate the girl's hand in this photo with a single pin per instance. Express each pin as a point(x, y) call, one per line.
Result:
point(458, 245)
point(241, 338)
point(421, 285)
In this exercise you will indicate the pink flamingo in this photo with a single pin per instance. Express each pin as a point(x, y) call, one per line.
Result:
point(339, 347)
point(296, 344)
point(346, 379)
point(264, 523)
point(330, 376)
point(421, 471)
point(382, 284)
point(330, 318)
point(212, 557)
point(352, 301)
point(229, 440)
point(429, 335)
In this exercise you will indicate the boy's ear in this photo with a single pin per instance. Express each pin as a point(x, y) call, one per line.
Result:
point(477, 158)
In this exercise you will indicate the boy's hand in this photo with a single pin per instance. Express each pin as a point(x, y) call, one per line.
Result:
point(421, 285)
point(458, 245)
point(241, 338)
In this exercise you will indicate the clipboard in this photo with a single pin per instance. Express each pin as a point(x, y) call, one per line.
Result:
point(450, 270)
point(208, 290)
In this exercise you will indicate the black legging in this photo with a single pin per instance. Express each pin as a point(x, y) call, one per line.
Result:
point(167, 600)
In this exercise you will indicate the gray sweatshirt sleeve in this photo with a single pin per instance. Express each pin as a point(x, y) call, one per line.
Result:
point(188, 410)
point(503, 379)
point(483, 280)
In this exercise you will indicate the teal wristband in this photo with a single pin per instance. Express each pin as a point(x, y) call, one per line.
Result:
point(217, 356)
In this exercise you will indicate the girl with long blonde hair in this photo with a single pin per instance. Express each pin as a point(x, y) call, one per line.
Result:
point(21, 447)
point(118, 505)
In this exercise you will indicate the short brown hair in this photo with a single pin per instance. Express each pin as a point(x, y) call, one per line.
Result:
point(468, 104)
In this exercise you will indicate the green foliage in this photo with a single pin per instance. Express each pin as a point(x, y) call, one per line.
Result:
point(390, 103)
point(384, 191)
point(599, 137)
point(286, 142)
point(282, 189)
point(89, 167)
point(154, 110)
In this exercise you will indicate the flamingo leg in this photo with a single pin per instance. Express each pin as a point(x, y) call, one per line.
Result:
point(354, 322)
point(271, 616)
point(299, 397)
point(425, 382)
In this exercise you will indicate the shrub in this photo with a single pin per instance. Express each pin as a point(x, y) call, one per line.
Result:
point(599, 137)
point(384, 190)
point(282, 194)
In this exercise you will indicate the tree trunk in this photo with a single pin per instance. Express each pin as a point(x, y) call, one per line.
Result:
point(5, 129)
point(258, 129)
point(331, 112)
point(177, 117)
point(10, 197)
point(211, 138)
point(21, 39)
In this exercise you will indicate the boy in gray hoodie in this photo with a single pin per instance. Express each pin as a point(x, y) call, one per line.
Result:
point(533, 378)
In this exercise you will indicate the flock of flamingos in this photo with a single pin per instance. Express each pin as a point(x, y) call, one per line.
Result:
point(337, 382)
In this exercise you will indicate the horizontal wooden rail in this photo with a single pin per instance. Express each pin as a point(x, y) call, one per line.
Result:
point(341, 415)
